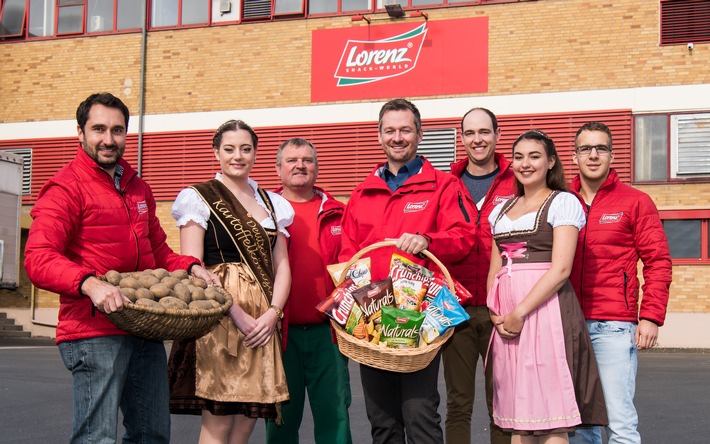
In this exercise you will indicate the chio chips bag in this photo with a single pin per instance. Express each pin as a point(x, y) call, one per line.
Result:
point(443, 312)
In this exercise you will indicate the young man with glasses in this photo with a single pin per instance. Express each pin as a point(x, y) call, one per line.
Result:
point(623, 226)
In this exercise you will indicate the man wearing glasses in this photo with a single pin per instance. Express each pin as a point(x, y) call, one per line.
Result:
point(623, 226)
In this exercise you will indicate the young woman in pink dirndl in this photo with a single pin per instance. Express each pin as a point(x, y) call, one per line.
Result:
point(545, 376)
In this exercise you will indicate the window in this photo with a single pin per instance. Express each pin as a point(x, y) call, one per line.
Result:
point(26, 154)
point(70, 17)
point(439, 147)
point(685, 21)
point(335, 6)
point(688, 234)
point(174, 13)
point(672, 147)
point(12, 22)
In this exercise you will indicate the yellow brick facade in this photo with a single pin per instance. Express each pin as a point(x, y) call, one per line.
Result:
point(534, 47)
point(541, 46)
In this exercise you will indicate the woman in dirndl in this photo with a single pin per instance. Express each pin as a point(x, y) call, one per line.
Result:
point(234, 374)
point(545, 377)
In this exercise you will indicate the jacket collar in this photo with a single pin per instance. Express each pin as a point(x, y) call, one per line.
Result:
point(89, 164)
point(611, 180)
point(457, 168)
point(328, 202)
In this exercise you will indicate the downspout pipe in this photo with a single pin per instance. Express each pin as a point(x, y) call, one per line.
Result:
point(141, 98)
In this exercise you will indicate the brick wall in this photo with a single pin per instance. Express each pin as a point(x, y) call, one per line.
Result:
point(544, 46)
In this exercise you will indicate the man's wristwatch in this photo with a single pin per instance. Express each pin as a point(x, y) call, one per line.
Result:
point(279, 312)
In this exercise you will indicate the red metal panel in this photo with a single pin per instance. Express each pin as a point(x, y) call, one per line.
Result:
point(561, 128)
point(347, 152)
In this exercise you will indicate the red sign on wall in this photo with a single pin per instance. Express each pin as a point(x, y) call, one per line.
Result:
point(403, 60)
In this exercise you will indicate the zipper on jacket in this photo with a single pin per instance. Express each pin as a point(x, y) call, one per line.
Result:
point(584, 254)
point(626, 284)
point(122, 193)
point(463, 209)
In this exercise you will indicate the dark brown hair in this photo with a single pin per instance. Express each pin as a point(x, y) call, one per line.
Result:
point(106, 99)
point(555, 177)
point(233, 125)
point(401, 105)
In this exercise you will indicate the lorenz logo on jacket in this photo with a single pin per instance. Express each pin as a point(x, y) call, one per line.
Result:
point(611, 218)
point(142, 207)
point(335, 230)
point(365, 61)
point(497, 200)
point(413, 207)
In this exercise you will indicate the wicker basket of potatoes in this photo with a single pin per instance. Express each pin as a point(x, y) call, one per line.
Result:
point(167, 305)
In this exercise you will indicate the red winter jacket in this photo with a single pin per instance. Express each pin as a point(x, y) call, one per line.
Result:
point(431, 203)
point(622, 227)
point(329, 229)
point(82, 226)
point(472, 271)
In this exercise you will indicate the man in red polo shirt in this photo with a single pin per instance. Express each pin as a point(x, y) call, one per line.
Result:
point(311, 358)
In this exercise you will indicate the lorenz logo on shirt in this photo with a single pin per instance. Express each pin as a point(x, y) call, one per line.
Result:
point(142, 207)
point(335, 230)
point(497, 200)
point(413, 207)
point(611, 218)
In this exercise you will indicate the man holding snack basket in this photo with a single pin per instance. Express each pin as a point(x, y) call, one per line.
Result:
point(93, 216)
point(489, 180)
point(311, 360)
point(408, 201)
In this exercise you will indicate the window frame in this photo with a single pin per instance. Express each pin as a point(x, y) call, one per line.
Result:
point(704, 216)
point(670, 152)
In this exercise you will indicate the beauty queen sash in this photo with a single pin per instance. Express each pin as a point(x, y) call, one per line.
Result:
point(249, 237)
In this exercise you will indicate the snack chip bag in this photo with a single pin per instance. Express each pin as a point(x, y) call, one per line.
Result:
point(372, 297)
point(443, 313)
point(359, 272)
point(410, 282)
point(400, 328)
point(438, 281)
point(339, 303)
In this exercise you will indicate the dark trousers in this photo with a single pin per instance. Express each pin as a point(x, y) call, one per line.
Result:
point(403, 404)
point(461, 355)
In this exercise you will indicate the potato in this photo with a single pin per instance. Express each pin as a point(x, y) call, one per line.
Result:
point(160, 273)
point(186, 281)
point(126, 274)
point(174, 303)
point(212, 293)
point(160, 290)
point(148, 280)
point(196, 293)
point(170, 281)
point(129, 282)
point(203, 305)
point(113, 277)
point(149, 303)
point(179, 274)
point(144, 293)
point(128, 292)
point(197, 282)
point(182, 292)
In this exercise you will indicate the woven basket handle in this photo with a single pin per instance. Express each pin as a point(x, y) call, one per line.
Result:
point(376, 245)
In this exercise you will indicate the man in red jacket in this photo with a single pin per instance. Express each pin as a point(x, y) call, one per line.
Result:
point(622, 227)
point(311, 359)
point(93, 216)
point(489, 181)
point(410, 202)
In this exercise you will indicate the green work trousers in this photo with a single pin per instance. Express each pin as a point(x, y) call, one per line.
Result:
point(314, 364)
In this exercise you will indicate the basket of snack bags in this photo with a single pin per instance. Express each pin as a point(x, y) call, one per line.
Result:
point(396, 324)
point(167, 305)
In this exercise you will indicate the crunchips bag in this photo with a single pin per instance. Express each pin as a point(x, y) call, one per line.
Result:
point(339, 303)
point(410, 282)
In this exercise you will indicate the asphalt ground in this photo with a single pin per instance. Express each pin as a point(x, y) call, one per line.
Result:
point(672, 397)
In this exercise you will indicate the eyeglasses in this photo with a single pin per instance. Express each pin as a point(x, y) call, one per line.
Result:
point(586, 150)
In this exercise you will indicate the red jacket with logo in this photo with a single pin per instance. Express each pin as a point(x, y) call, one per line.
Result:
point(431, 203)
point(622, 227)
point(472, 271)
point(83, 226)
point(329, 229)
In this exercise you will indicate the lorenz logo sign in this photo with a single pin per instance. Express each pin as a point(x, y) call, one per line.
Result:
point(363, 61)
point(403, 60)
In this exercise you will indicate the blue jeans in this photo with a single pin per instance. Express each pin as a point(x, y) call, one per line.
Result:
point(617, 358)
point(118, 371)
